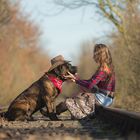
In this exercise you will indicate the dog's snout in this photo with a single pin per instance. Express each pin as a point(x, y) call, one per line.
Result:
point(74, 70)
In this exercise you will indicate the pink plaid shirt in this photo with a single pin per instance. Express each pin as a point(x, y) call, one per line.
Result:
point(100, 79)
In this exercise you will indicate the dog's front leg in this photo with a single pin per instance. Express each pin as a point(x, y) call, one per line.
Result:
point(50, 108)
point(53, 106)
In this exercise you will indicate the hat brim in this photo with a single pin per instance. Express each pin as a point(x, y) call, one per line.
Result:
point(58, 64)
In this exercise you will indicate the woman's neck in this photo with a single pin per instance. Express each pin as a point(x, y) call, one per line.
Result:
point(104, 67)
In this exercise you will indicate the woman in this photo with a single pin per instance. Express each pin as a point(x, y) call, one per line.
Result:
point(102, 83)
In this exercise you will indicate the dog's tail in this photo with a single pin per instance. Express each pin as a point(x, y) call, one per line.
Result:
point(3, 112)
point(2, 117)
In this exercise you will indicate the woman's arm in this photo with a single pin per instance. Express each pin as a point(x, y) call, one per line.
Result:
point(76, 79)
point(84, 83)
point(89, 84)
point(95, 79)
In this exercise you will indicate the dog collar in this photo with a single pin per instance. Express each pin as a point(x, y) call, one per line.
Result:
point(57, 82)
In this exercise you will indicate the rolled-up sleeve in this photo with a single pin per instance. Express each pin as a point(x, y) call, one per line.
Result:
point(84, 83)
point(95, 79)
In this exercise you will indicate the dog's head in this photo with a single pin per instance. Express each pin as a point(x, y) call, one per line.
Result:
point(62, 70)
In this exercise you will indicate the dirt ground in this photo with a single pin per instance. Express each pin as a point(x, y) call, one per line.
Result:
point(65, 129)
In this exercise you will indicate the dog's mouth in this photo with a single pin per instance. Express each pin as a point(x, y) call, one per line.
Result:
point(67, 74)
point(72, 70)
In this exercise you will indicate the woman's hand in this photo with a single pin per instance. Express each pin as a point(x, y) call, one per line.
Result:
point(71, 77)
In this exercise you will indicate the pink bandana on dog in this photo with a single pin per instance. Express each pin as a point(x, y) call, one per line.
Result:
point(57, 82)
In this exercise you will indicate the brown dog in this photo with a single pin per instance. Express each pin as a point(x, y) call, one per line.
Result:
point(41, 93)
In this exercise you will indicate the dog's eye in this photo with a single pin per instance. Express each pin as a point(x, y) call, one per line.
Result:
point(68, 64)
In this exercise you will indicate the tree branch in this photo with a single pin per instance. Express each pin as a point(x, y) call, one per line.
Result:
point(75, 3)
point(4, 12)
point(107, 9)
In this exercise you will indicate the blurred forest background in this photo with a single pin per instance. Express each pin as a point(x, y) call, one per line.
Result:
point(22, 60)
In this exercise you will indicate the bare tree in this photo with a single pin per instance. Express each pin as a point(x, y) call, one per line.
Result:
point(4, 12)
point(110, 9)
point(113, 10)
point(21, 56)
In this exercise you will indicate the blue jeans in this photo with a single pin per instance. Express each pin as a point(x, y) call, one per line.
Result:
point(103, 99)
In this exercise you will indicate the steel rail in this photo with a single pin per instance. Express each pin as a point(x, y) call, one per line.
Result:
point(127, 122)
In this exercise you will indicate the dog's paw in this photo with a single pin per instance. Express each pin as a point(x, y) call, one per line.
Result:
point(53, 116)
point(30, 118)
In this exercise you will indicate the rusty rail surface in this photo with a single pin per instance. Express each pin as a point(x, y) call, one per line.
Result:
point(127, 122)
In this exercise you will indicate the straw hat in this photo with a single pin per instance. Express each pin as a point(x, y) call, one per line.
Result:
point(56, 61)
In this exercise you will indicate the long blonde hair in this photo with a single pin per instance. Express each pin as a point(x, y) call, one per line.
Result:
point(102, 56)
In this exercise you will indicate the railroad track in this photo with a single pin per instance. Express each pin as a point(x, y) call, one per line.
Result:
point(128, 123)
point(108, 123)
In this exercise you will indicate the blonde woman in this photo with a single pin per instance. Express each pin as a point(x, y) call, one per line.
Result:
point(102, 83)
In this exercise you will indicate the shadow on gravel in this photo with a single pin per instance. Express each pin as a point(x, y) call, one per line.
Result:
point(98, 129)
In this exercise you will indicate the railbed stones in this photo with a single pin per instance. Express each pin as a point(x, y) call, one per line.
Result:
point(44, 129)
